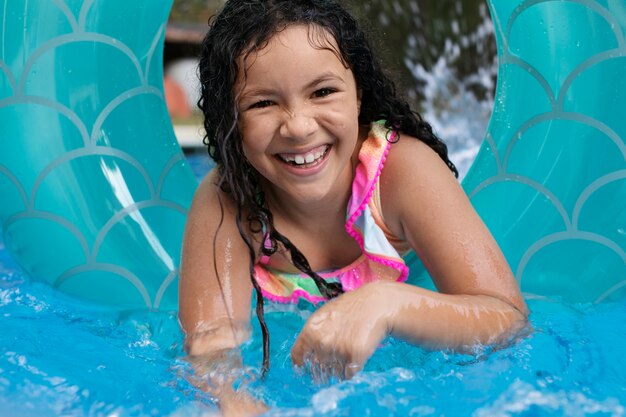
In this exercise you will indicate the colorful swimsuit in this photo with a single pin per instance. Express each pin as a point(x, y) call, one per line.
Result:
point(364, 222)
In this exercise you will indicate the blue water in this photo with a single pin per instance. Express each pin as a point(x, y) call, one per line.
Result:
point(63, 357)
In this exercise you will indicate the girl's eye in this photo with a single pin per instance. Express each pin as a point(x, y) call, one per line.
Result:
point(323, 92)
point(261, 104)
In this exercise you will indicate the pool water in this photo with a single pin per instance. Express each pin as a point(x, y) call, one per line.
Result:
point(571, 364)
point(63, 357)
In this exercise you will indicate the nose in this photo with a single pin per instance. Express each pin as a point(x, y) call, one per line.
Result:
point(298, 125)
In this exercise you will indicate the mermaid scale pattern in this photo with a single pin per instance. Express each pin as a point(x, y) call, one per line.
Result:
point(550, 178)
point(96, 189)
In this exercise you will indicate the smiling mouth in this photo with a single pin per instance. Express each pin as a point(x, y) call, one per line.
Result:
point(305, 160)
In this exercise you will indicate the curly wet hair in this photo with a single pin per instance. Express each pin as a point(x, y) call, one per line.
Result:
point(245, 26)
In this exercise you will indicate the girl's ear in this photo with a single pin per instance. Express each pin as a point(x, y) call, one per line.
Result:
point(359, 94)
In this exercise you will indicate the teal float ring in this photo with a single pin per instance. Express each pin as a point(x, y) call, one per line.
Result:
point(95, 190)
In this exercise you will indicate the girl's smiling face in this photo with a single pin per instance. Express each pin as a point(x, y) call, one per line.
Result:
point(299, 107)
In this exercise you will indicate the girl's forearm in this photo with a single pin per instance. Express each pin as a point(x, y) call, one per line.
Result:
point(437, 320)
point(215, 373)
point(217, 364)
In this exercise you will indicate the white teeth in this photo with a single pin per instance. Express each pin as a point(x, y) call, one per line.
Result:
point(307, 158)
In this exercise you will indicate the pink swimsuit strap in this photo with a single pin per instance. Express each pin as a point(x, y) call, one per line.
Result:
point(380, 260)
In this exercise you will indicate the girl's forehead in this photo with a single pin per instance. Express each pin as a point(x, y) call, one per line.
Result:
point(294, 58)
point(294, 37)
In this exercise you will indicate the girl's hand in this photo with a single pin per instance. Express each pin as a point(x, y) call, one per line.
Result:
point(339, 337)
point(241, 404)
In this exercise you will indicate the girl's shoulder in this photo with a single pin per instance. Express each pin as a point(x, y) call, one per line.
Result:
point(209, 187)
point(212, 207)
point(209, 194)
point(409, 155)
point(414, 180)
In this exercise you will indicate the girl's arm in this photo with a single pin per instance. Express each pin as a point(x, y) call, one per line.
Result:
point(214, 297)
point(424, 204)
point(478, 300)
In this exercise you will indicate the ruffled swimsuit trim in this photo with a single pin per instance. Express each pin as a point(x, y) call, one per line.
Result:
point(379, 259)
point(392, 260)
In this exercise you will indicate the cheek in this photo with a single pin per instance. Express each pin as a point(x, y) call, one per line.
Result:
point(248, 152)
point(353, 107)
point(248, 140)
point(254, 151)
point(254, 127)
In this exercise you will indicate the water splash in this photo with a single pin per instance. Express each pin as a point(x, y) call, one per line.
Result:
point(458, 106)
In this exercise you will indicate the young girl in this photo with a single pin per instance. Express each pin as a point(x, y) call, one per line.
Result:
point(324, 178)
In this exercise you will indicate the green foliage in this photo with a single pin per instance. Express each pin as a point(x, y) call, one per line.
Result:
point(408, 33)
point(194, 11)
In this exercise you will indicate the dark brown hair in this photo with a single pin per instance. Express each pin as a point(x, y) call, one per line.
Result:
point(244, 26)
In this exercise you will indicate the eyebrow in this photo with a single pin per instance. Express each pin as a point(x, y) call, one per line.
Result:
point(256, 92)
point(322, 78)
point(325, 76)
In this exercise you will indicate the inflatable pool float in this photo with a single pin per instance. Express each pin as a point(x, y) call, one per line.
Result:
point(95, 189)
point(550, 178)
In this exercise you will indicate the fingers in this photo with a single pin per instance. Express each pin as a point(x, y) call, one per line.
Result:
point(297, 352)
point(351, 369)
point(333, 344)
point(324, 364)
point(323, 369)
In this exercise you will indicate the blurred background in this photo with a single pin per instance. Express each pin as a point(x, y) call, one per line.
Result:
point(441, 53)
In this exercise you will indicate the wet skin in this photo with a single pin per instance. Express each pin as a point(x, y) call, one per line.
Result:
point(297, 99)
point(299, 103)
